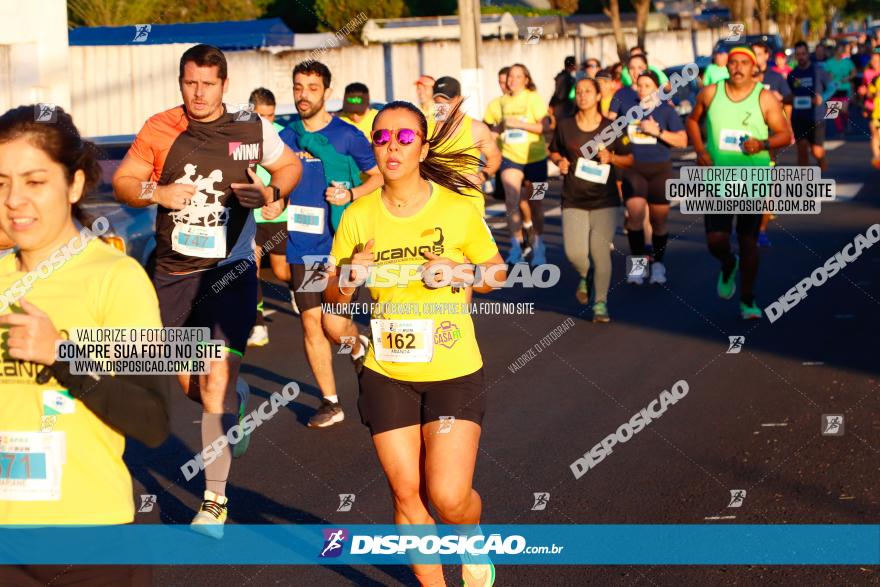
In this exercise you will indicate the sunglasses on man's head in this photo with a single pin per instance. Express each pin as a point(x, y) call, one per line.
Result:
point(404, 136)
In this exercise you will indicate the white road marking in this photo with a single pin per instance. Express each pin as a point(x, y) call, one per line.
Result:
point(846, 191)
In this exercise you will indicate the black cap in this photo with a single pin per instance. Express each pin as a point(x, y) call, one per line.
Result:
point(356, 99)
point(570, 61)
point(447, 87)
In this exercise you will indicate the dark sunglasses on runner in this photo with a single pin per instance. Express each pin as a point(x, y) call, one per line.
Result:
point(404, 136)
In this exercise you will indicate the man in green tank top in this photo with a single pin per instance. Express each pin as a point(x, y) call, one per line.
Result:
point(743, 122)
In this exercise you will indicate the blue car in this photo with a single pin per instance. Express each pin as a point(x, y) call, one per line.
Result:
point(132, 230)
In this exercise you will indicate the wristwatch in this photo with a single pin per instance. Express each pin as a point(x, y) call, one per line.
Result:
point(766, 144)
point(276, 193)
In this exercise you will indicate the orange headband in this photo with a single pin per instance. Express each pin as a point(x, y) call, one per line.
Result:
point(743, 51)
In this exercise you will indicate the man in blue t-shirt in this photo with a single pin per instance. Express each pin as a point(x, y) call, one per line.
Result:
point(810, 87)
point(334, 155)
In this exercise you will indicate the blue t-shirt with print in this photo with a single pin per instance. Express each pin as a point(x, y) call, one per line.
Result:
point(308, 227)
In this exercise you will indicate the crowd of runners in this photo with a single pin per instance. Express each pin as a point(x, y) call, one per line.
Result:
point(330, 197)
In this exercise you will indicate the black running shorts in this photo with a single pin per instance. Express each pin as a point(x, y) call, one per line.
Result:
point(808, 130)
point(747, 225)
point(387, 404)
point(223, 299)
point(272, 237)
point(647, 180)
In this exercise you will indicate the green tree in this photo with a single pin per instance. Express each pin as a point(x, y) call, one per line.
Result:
point(112, 12)
point(336, 14)
point(125, 12)
point(300, 16)
point(431, 7)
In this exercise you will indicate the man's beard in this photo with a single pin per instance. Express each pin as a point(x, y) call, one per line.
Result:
point(312, 112)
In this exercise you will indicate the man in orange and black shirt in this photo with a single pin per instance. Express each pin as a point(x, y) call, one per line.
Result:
point(196, 162)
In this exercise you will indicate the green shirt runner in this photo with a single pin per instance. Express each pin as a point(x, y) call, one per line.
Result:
point(729, 124)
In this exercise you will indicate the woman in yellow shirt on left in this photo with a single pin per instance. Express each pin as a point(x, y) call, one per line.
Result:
point(62, 435)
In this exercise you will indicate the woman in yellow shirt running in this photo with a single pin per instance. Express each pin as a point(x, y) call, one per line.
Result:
point(422, 391)
point(523, 157)
point(62, 435)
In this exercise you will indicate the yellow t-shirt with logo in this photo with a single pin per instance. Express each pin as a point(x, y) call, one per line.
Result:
point(365, 125)
point(463, 140)
point(518, 145)
point(447, 225)
point(98, 287)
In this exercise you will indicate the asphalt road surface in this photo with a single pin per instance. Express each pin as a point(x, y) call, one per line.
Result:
point(751, 420)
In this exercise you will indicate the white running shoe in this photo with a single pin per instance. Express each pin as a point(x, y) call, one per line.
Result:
point(212, 515)
point(259, 336)
point(658, 273)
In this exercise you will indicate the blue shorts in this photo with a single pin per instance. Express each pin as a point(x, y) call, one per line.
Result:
point(536, 171)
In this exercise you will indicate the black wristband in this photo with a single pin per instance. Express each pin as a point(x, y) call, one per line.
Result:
point(77, 385)
point(276, 193)
point(766, 144)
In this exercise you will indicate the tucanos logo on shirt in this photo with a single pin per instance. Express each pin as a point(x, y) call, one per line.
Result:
point(398, 253)
point(447, 334)
point(438, 244)
point(244, 151)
